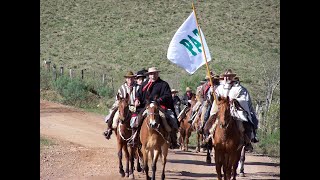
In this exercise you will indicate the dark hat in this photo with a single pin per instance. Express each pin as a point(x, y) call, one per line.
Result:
point(129, 74)
point(203, 81)
point(140, 74)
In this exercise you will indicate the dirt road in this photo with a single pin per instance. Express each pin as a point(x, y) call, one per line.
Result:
point(79, 151)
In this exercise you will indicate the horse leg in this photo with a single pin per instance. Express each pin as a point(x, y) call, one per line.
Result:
point(126, 153)
point(187, 137)
point(164, 150)
point(208, 161)
point(138, 159)
point(154, 163)
point(131, 157)
point(241, 162)
point(121, 171)
point(198, 143)
point(235, 164)
point(145, 162)
point(218, 162)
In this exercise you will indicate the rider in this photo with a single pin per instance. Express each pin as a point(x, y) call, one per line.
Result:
point(140, 78)
point(186, 100)
point(199, 98)
point(128, 87)
point(176, 101)
point(234, 90)
point(159, 90)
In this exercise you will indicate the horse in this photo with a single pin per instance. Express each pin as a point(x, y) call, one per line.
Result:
point(153, 140)
point(124, 134)
point(226, 141)
point(185, 127)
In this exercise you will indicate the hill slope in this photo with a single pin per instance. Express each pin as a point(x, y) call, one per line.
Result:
point(115, 36)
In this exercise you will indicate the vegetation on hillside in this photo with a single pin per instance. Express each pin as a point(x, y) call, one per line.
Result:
point(111, 37)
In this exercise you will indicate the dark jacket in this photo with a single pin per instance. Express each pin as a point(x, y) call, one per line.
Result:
point(186, 98)
point(159, 90)
point(176, 100)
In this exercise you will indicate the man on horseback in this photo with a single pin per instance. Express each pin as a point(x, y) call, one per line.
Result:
point(176, 101)
point(186, 101)
point(199, 97)
point(234, 90)
point(158, 90)
point(128, 87)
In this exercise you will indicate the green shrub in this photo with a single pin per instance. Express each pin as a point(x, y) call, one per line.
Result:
point(73, 91)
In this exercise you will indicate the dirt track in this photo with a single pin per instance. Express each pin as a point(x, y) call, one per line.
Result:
point(81, 152)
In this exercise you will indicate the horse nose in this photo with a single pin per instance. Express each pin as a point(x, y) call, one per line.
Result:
point(151, 125)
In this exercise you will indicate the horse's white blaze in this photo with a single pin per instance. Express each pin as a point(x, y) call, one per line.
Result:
point(151, 105)
point(152, 121)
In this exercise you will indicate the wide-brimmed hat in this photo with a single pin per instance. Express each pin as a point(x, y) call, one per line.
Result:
point(203, 81)
point(211, 74)
point(229, 73)
point(153, 69)
point(188, 89)
point(140, 74)
point(174, 91)
point(236, 78)
point(129, 74)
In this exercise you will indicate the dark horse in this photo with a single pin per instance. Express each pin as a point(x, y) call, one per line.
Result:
point(153, 139)
point(123, 134)
point(227, 144)
point(185, 127)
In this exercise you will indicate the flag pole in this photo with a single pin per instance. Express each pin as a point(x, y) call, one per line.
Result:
point(204, 52)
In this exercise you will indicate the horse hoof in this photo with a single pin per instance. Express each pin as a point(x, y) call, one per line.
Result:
point(208, 161)
point(127, 174)
point(131, 176)
point(241, 174)
point(139, 169)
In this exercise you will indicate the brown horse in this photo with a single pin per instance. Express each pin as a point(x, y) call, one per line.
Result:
point(153, 139)
point(226, 141)
point(185, 127)
point(124, 134)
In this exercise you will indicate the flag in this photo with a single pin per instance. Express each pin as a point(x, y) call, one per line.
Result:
point(185, 48)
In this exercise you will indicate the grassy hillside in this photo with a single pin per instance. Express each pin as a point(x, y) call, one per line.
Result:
point(114, 36)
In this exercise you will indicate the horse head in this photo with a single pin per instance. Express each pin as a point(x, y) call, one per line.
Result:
point(123, 107)
point(153, 114)
point(224, 114)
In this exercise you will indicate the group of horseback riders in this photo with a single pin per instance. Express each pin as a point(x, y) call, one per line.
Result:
point(227, 84)
point(147, 86)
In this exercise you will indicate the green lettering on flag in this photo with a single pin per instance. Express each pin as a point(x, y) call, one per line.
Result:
point(196, 43)
point(188, 45)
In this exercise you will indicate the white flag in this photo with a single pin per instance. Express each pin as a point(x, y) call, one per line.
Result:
point(185, 47)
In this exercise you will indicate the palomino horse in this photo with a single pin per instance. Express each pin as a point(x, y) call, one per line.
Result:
point(226, 141)
point(153, 139)
point(185, 127)
point(123, 134)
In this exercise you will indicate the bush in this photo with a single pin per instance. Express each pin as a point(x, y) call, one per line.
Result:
point(73, 91)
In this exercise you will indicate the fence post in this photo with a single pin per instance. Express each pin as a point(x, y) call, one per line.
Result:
point(103, 78)
point(47, 64)
point(70, 73)
point(61, 71)
point(82, 73)
point(54, 72)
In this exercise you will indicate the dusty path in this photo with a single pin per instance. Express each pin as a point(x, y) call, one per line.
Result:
point(81, 152)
